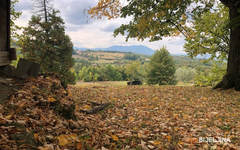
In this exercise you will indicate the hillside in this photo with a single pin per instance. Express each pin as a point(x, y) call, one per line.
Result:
point(140, 49)
point(99, 57)
point(115, 57)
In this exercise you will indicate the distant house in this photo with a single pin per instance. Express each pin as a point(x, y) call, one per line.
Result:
point(6, 53)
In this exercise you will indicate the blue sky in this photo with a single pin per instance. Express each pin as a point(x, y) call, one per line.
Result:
point(93, 33)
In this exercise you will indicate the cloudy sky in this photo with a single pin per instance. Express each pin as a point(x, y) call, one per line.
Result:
point(93, 33)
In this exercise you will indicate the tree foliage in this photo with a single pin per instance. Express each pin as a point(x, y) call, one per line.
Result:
point(213, 77)
point(161, 68)
point(132, 69)
point(108, 8)
point(14, 16)
point(185, 74)
point(14, 36)
point(156, 19)
point(46, 43)
point(210, 33)
point(102, 73)
point(112, 73)
point(88, 74)
point(131, 56)
point(42, 8)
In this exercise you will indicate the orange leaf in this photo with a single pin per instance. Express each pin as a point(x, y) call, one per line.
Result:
point(35, 136)
point(73, 136)
point(66, 139)
point(46, 147)
point(63, 140)
point(156, 142)
point(169, 138)
point(79, 145)
point(115, 138)
point(8, 117)
point(180, 142)
point(113, 145)
point(50, 99)
point(87, 107)
point(131, 118)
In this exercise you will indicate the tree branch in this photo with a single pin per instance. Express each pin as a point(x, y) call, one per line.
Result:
point(225, 2)
point(182, 30)
point(96, 109)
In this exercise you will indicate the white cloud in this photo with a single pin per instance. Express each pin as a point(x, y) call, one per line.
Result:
point(92, 33)
point(23, 5)
point(110, 27)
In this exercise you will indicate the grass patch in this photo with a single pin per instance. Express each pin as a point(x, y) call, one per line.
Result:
point(102, 83)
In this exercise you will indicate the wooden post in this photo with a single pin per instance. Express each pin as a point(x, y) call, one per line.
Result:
point(6, 53)
point(4, 25)
point(8, 23)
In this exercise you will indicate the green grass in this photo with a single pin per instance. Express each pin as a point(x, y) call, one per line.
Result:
point(108, 83)
point(102, 61)
point(103, 83)
point(184, 84)
point(80, 57)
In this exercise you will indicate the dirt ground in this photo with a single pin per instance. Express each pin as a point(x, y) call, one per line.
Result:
point(8, 87)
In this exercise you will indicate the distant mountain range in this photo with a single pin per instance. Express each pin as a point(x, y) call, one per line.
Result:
point(140, 49)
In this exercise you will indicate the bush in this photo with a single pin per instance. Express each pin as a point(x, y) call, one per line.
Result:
point(214, 76)
point(185, 75)
point(161, 68)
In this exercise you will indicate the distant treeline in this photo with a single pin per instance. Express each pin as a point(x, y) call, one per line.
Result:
point(185, 61)
point(188, 70)
point(108, 51)
point(131, 56)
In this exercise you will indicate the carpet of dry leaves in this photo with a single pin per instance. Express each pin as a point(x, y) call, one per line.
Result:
point(139, 117)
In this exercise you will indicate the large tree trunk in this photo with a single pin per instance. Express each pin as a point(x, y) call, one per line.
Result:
point(232, 77)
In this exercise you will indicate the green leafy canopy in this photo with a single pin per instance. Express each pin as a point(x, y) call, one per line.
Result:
point(210, 33)
point(155, 19)
point(14, 16)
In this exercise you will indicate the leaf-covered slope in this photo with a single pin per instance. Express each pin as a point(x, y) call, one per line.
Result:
point(138, 117)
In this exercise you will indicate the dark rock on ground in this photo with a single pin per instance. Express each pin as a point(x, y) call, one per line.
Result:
point(135, 83)
point(26, 68)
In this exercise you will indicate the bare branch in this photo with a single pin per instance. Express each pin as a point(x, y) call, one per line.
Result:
point(180, 28)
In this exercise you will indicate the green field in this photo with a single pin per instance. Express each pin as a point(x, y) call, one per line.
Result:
point(102, 57)
point(117, 83)
point(80, 57)
point(103, 83)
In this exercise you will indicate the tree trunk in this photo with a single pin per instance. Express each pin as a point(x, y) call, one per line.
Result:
point(45, 10)
point(232, 77)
